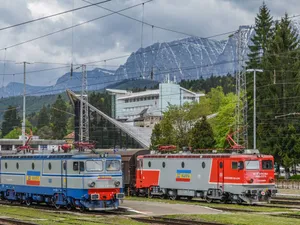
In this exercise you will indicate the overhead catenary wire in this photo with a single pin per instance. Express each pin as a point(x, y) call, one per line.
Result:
point(53, 15)
point(70, 27)
point(159, 27)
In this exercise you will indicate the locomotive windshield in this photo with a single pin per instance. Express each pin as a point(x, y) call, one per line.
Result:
point(252, 165)
point(113, 165)
point(92, 166)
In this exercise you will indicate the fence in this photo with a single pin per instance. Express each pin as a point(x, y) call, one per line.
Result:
point(288, 184)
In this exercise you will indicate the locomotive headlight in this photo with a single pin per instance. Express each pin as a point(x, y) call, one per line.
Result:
point(92, 184)
point(117, 183)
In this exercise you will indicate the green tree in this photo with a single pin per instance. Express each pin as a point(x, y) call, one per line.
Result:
point(45, 132)
point(14, 134)
point(156, 135)
point(261, 38)
point(280, 79)
point(216, 96)
point(43, 118)
point(224, 121)
point(167, 131)
point(11, 120)
point(70, 125)
point(59, 119)
point(202, 135)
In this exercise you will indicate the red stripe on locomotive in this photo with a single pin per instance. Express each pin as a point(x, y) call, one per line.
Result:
point(105, 194)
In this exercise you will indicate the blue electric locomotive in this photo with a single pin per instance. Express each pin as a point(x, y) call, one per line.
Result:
point(88, 181)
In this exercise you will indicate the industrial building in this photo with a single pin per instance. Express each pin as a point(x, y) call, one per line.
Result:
point(145, 108)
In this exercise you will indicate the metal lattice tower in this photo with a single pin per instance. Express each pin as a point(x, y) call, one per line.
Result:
point(84, 108)
point(241, 111)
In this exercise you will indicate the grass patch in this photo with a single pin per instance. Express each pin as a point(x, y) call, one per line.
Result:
point(212, 205)
point(240, 219)
point(47, 217)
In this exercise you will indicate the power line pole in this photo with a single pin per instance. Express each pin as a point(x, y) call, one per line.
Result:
point(24, 105)
point(254, 103)
point(84, 108)
point(241, 110)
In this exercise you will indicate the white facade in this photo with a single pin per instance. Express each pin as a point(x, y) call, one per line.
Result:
point(129, 106)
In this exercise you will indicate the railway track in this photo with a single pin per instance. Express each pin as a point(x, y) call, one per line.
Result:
point(10, 221)
point(119, 211)
point(170, 221)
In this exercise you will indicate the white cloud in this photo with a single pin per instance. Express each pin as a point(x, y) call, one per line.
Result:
point(115, 35)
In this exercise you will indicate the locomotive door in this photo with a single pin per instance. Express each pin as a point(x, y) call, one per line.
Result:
point(220, 175)
point(64, 178)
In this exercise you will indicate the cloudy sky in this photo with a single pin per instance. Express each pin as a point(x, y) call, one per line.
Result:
point(113, 35)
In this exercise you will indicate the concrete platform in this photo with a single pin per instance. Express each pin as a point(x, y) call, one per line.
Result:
point(158, 208)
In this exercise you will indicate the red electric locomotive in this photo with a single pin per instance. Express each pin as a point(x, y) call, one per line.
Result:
point(236, 178)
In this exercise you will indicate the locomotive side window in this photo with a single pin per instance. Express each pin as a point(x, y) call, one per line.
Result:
point(113, 165)
point(203, 165)
point(149, 164)
point(5, 165)
point(163, 164)
point(241, 165)
point(252, 165)
point(81, 166)
point(221, 165)
point(17, 166)
point(234, 165)
point(32, 166)
point(94, 166)
point(267, 164)
point(182, 165)
point(49, 166)
point(75, 166)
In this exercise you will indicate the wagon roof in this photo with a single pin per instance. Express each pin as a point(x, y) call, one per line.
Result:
point(57, 156)
point(205, 156)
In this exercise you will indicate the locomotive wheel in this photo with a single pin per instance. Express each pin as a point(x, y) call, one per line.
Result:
point(209, 200)
point(173, 197)
point(162, 196)
point(82, 208)
point(69, 207)
point(28, 202)
point(57, 206)
point(223, 199)
point(189, 198)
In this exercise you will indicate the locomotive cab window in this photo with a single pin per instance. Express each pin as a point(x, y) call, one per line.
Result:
point(241, 165)
point(92, 166)
point(113, 165)
point(237, 165)
point(234, 165)
point(81, 166)
point(267, 164)
point(75, 166)
point(78, 166)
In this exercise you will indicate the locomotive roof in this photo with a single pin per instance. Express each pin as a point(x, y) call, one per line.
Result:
point(203, 155)
point(59, 156)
